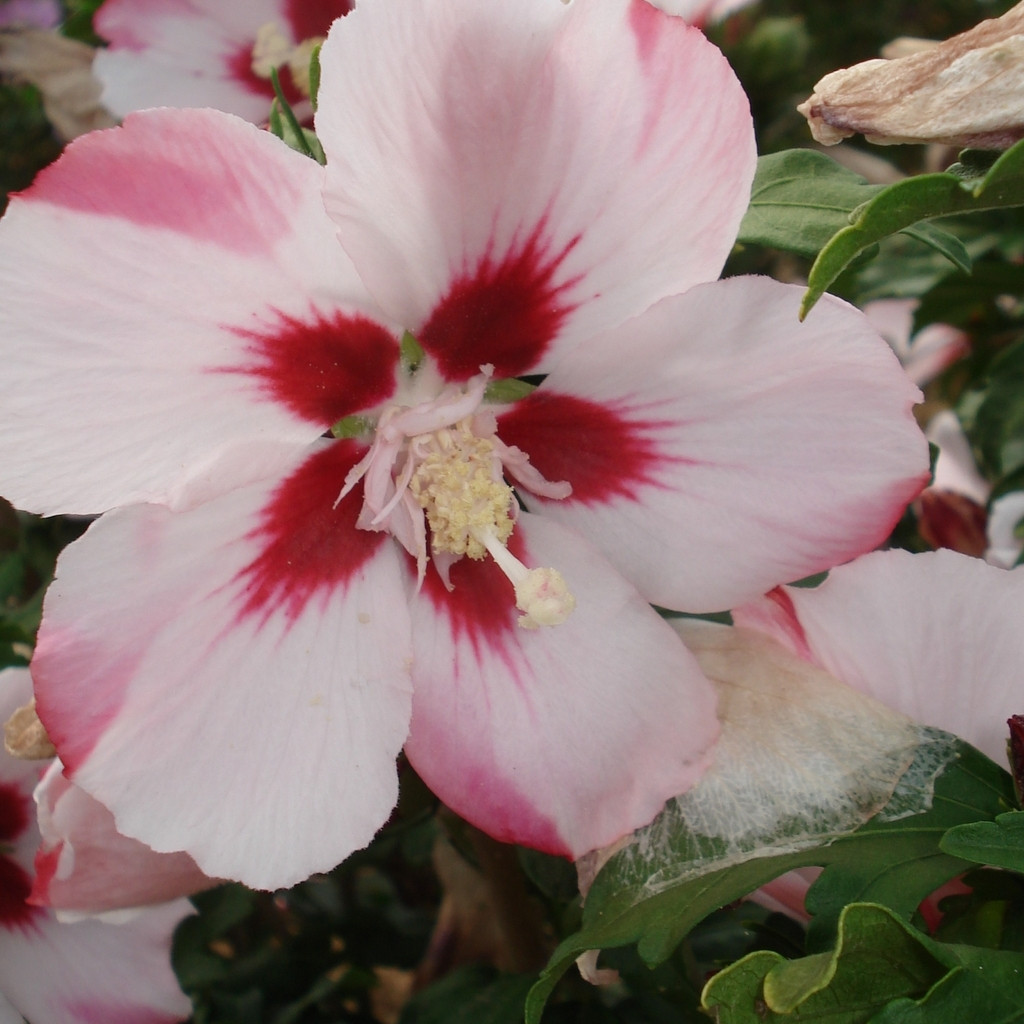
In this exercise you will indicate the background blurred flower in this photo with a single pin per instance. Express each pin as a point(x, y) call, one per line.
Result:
point(36, 13)
point(934, 636)
point(200, 53)
point(927, 353)
point(87, 970)
point(701, 12)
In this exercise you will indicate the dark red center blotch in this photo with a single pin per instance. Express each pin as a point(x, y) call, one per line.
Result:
point(14, 812)
point(309, 19)
point(481, 606)
point(503, 312)
point(323, 367)
point(600, 453)
point(308, 548)
point(15, 883)
point(239, 69)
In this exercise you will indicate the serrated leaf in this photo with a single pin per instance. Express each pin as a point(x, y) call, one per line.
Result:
point(982, 985)
point(799, 199)
point(895, 862)
point(876, 959)
point(998, 843)
point(900, 206)
point(881, 970)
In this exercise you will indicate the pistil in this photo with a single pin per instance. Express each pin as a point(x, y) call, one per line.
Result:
point(541, 594)
point(441, 461)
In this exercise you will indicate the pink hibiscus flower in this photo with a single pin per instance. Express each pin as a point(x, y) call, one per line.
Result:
point(88, 971)
point(232, 656)
point(208, 53)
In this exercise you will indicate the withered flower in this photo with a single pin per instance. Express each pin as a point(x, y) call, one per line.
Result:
point(966, 91)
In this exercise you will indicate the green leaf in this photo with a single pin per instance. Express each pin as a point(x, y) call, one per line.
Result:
point(998, 843)
point(908, 202)
point(990, 912)
point(470, 995)
point(655, 901)
point(994, 414)
point(876, 959)
point(800, 198)
point(944, 243)
point(881, 970)
point(972, 302)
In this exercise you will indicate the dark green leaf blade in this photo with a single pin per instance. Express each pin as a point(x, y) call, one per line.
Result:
point(908, 202)
point(800, 198)
point(881, 971)
point(998, 843)
point(876, 959)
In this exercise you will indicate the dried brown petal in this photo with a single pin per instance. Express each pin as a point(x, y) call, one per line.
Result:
point(966, 91)
point(25, 737)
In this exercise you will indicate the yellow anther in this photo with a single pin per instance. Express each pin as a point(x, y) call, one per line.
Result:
point(458, 484)
point(273, 49)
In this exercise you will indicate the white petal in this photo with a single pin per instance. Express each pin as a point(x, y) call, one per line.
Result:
point(233, 681)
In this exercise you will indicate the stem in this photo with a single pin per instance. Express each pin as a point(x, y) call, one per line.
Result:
point(517, 912)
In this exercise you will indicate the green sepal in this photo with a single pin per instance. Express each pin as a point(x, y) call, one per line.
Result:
point(511, 389)
point(314, 76)
point(285, 125)
point(410, 352)
point(352, 426)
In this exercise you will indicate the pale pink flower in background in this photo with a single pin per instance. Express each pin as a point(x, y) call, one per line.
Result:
point(1005, 519)
point(34, 13)
point(701, 12)
point(951, 511)
point(955, 469)
point(927, 353)
point(206, 53)
point(233, 656)
point(86, 971)
point(935, 636)
point(84, 864)
point(954, 506)
point(787, 893)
